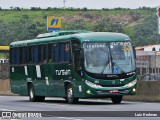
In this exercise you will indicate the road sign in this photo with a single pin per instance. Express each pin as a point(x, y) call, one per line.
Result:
point(53, 23)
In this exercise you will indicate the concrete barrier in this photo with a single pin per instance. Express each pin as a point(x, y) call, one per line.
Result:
point(5, 87)
point(148, 91)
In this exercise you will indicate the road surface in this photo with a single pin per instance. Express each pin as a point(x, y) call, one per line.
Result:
point(86, 109)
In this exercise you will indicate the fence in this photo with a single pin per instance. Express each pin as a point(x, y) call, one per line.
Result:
point(148, 62)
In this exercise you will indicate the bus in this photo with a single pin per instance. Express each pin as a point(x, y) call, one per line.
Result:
point(74, 65)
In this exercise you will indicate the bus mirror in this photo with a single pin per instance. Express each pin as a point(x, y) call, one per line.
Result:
point(77, 47)
point(134, 51)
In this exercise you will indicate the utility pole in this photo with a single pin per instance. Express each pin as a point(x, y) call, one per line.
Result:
point(64, 4)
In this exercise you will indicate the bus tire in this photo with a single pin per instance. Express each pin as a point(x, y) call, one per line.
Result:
point(31, 93)
point(116, 99)
point(32, 96)
point(70, 95)
point(40, 98)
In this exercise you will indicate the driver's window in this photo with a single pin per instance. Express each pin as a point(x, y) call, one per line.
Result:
point(76, 54)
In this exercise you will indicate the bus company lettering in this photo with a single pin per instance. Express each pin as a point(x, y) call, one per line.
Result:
point(63, 72)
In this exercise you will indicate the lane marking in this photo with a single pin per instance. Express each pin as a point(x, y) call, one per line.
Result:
point(1, 109)
point(68, 118)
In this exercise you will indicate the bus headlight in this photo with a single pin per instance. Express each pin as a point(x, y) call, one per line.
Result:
point(131, 83)
point(93, 85)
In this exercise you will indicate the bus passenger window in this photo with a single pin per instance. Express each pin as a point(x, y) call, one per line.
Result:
point(39, 53)
point(16, 56)
point(50, 56)
point(77, 59)
point(44, 53)
point(12, 56)
point(35, 54)
point(56, 55)
point(62, 52)
point(30, 55)
point(67, 52)
point(24, 59)
point(20, 55)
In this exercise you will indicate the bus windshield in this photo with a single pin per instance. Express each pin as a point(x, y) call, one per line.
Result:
point(109, 57)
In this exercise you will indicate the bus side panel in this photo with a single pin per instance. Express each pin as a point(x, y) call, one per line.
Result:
point(48, 79)
point(18, 80)
point(36, 78)
point(62, 72)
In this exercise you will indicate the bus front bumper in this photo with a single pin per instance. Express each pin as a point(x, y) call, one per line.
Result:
point(93, 90)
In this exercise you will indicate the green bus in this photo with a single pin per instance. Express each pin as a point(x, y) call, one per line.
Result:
point(74, 64)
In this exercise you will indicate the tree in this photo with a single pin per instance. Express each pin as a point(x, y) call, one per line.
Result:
point(105, 25)
point(76, 25)
point(146, 33)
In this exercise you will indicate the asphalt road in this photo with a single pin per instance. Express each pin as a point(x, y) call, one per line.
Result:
point(86, 109)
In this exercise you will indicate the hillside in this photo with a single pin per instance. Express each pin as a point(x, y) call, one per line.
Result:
point(139, 24)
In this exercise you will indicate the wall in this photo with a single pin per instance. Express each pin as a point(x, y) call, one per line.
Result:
point(146, 91)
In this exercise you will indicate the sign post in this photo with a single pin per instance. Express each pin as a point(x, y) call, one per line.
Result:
point(53, 23)
point(158, 14)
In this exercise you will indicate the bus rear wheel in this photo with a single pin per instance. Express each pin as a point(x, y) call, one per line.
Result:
point(33, 97)
point(70, 95)
point(116, 99)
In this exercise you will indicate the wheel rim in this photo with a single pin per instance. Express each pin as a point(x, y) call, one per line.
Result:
point(31, 93)
point(70, 94)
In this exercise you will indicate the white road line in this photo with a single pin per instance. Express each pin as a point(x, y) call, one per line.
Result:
point(68, 118)
point(58, 104)
point(1, 109)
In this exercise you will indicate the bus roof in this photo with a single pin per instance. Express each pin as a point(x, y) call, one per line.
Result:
point(102, 37)
point(81, 35)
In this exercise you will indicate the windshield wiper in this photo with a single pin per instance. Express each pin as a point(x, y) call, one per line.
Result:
point(104, 67)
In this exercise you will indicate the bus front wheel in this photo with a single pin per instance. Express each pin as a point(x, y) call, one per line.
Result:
point(70, 95)
point(116, 99)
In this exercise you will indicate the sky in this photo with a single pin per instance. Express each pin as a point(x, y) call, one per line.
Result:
point(90, 4)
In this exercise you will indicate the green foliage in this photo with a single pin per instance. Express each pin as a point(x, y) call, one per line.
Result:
point(105, 25)
point(76, 25)
point(21, 24)
point(147, 32)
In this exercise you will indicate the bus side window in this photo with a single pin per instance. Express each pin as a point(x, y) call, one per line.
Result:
point(20, 55)
point(64, 52)
point(35, 54)
point(12, 56)
point(16, 55)
point(24, 55)
point(56, 53)
point(45, 53)
point(61, 51)
point(77, 59)
point(76, 54)
point(42, 53)
point(30, 55)
point(67, 52)
point(50, 53)
point(39, 53)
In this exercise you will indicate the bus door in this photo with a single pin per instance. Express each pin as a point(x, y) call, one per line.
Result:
point(77, 66)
